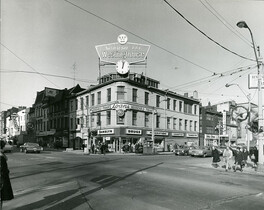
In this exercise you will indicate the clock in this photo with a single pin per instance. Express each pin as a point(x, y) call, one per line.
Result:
point(122, 67)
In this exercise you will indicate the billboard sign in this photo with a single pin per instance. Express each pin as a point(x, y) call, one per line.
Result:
point(253, 81)
point(122, 50)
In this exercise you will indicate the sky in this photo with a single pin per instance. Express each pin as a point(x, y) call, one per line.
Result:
point(194, 45)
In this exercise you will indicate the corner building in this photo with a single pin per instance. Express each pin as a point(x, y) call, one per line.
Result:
point(124, 110)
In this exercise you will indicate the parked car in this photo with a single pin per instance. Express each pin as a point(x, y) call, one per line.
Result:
point(183, 150)
point(201, 151)
point(8, 147)
point(30, 147)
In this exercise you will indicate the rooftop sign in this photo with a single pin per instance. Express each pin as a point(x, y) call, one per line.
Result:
point(122, 50)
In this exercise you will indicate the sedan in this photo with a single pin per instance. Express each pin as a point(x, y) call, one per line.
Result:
point(183, 150)
point(201, 151)
point(30, 147)
point(8, 148)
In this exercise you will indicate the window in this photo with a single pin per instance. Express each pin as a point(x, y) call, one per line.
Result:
point(180, 124)
point(134, 95)
point(98, 122)
point(81, 119)
point(92, 102)
point(134, 118)
point(81, 103)
point(180, 106)
point(87, 101)
point(146, 119)
point(157, 101)
point(209, 130)
point(195, 109)
point(120, 92)
point(108, 117)
point(191, 122)
point(195, 125)
point(146, 98)
point(174, 123)
point(76, 103)
point(157, 121)
point(185, 125)
point(71, 106)
point(174, 105)
point(168, 103)
point(71, 123)
point(168, 122)
point(99, 97)
point(108, 94)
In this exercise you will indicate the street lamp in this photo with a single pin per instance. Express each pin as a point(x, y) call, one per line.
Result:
point(243, 24)
point(249, 108)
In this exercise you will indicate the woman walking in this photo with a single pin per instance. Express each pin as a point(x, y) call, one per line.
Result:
point(228, 154)
point(216, 157)
point(5, 184)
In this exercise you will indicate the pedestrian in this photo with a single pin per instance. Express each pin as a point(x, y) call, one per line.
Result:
point(254, 158)
point(216, 157)
point(245, 156)
point(92, 148)
point(239, 159)
point(5, 184)
point(227, 155)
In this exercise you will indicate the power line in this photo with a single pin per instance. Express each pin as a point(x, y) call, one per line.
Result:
point(206, 34)
point(27, 64)
point(51, 75)
point(224, 22)
point(150, 42)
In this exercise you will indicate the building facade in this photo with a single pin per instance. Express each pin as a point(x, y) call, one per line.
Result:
point(126, 110)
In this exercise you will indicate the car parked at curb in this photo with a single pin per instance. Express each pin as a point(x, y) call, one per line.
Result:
point(30, 147)
point(183, 150)
point(201, 152)
point(8, 147)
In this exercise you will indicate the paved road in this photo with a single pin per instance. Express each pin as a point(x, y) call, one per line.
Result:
point(60, 180)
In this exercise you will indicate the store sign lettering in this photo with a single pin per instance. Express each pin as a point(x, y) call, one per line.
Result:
point(191, 135)
point(121, 106)
point(177, 134)
point(158, 133)
point(133, 131)
point(106, 131)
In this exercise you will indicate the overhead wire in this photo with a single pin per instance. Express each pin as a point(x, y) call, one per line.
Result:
point(203, 33)
point(144, 39)
point(26, 63)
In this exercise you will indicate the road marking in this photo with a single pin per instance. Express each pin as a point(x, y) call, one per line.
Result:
point(259, 194)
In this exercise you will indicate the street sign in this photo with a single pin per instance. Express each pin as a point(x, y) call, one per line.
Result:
point(253, 81)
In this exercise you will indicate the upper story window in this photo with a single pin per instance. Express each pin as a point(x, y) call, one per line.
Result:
point(99, 97)
point(180, 106)
point(82, 104)
point(195, 109)
point(87, 101)
point(146, 119)
point(108, 94)
point(195, 125)
point(76, 104)
point(168, 103)
point(191, 124)
point(134, 118)
point(185, 125)
point(71, 106)
point(120, 93)
point(180, 124)
point(134, 95)
point(108, 117)
point(157, 101)
point(168, 122)
point(98, 119)
point(174, 123)
point(157, 121)
point(92, 99)
point(146, 98)
point(174, 105)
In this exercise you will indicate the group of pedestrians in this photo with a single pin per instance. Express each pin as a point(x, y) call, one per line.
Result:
point(239, 155)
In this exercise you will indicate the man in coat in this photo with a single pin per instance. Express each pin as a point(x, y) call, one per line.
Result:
point(5, 184)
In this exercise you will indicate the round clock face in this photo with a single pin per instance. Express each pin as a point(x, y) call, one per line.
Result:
point(122, 39)
point(122, 67)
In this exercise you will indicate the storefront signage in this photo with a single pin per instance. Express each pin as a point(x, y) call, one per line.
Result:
point(133, 131)
point(122, 50)
point(158, 133)
point(209, 136)
point(177, 134)
point(191, 135)
point(106, 131)
point(121, 106)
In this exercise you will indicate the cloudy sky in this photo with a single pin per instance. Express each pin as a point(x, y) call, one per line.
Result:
point(195, 44)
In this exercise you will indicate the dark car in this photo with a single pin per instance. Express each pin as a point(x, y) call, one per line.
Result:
point(202, 152)
point(183, 150)
point(30, 147)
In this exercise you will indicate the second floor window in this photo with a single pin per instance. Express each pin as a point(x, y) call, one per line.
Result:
point(120, 92)
point(87, 101)
point(108, 117)
point(191, 124)
point(92, 102)
point(99, 97)
point(195, 125)
point(146, 119)
point(168, 103)
point(108, 94)
point(81, 103)
point(76, 104)
point(174, 123)
point(174, 105)
point(146, 98)
point(98, 119)
point(185, 125)
point(180, 124)
point(157, 121)
point(134, 118)
point(134, 95)
point(180, 106)
point(168, 122)
point(157, 101)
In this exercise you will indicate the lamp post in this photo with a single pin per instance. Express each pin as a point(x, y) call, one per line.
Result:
point(243, 24)
point(249, 108)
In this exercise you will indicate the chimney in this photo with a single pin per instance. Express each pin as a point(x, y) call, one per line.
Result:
point(195, 94)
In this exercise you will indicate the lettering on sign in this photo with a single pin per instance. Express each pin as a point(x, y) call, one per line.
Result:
point(158, 133)
point(177, 134)
point(106, 131)
point(191, 135)
point(133, 131)
point(121, 106)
